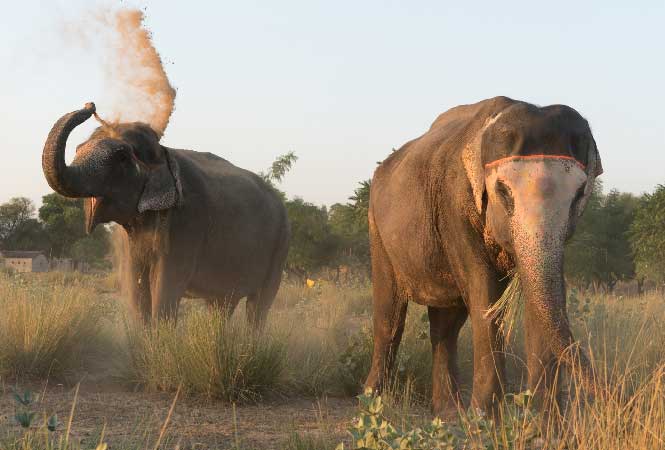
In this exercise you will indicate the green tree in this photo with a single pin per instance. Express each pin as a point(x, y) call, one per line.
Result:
point(599, 252)
point(280, 166)
point(647, 235)
point(349, 224)
point(277, 170)
point(13, 214)
point(312, 243)
point(19, 230)
point(63, 220)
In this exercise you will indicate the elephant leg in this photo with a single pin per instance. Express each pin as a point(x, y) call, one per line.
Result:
point(444, 325)
point(257, 307)
point(168, 283)
point(541, 361)
point(137, 279)
point(488, 345)
point(226, 305)
point(259, 303)
point(389, 314)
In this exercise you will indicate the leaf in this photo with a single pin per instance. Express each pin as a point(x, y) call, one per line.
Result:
point(25, 418)
point(52, 423)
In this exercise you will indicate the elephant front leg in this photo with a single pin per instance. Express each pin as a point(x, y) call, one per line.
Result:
point(137, 280)
point(168, 282)
point(488, 351)
point(444, 325)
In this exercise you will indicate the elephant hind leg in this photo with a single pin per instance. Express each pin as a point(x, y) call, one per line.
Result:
point(259, 302)
point(389, 315)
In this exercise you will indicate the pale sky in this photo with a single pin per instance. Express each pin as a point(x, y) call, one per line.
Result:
point(343, 82)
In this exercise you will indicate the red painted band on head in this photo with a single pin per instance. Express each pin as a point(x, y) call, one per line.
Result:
point(527, 157)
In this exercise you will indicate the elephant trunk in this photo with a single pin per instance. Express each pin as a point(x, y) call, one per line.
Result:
point(540, 263)
point(69, 181)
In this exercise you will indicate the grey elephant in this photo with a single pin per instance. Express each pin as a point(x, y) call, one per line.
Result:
point(195, 223)
point(492, 187)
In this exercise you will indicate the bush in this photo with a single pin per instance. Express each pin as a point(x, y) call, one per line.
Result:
point(207, 354)
point(46, 329)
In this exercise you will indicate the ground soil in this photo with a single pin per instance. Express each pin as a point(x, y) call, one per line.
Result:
point(134, 419)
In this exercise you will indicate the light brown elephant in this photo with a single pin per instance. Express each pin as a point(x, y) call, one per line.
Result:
point(491, 187)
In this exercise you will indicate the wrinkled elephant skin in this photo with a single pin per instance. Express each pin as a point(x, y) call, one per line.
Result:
point(492, 187)
point(193, 222)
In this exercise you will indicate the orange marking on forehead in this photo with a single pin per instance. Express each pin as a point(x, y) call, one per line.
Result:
point(528, 157)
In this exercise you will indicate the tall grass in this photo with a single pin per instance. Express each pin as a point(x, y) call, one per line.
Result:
point(47, 327)
point(318, 342)
point(205, 353)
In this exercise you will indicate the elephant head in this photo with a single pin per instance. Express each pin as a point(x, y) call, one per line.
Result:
point(531, 172)
point(121, 170)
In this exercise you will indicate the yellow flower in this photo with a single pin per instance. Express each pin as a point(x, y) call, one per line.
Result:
point(310, 283)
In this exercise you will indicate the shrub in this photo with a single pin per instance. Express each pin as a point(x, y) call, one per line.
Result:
point(46, 328)
point(207, 354)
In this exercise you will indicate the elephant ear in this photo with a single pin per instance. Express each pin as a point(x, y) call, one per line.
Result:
point(163, 189)
point(473, 162)
point(594, 166)
point(594, 169)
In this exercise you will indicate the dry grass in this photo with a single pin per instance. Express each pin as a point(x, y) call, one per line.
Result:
point(49, 325)
point(318, 343)
point(207, 354)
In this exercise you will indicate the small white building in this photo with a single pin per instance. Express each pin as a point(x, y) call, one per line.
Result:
point(25, 261)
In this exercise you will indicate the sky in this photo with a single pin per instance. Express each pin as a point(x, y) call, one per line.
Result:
point(342, 83)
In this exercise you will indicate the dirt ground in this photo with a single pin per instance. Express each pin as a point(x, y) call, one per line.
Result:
point(134, 419)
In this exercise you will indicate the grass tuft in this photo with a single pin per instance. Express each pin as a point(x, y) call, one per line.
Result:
point(207, 354)
point(46, 328)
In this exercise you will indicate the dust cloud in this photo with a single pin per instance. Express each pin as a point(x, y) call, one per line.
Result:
point(135, 78)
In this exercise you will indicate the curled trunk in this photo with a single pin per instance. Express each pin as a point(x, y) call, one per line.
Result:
point(66, 180)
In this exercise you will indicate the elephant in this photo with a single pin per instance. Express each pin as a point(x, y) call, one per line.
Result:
point(195, 224)
point(491, 188)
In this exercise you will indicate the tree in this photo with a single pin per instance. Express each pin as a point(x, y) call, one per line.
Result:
point(277, 170)
point(63, 220)
point(349, 224)
point(19, 230)
point(312, 242)
point(647, 235)
point(599, 251)
point(13, 214)
point(280, 166)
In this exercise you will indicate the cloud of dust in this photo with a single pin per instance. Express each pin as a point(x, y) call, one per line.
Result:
point(134, 73)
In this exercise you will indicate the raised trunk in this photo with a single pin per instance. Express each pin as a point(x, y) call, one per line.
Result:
point(66, 180)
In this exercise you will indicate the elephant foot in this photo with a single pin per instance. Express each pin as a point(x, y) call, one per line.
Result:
point(372, 383)
point(448, 409)
point(448, 413)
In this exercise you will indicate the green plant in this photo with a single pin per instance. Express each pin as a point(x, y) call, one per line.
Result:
point(25, 415)
point(372, 430)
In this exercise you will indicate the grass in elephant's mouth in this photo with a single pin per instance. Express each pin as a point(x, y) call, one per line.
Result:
point(318, 344)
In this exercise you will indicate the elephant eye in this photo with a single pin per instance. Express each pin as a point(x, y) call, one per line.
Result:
point(505, 194)
point(579, 194)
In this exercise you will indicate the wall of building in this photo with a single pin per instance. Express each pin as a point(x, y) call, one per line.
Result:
point(19, 264)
